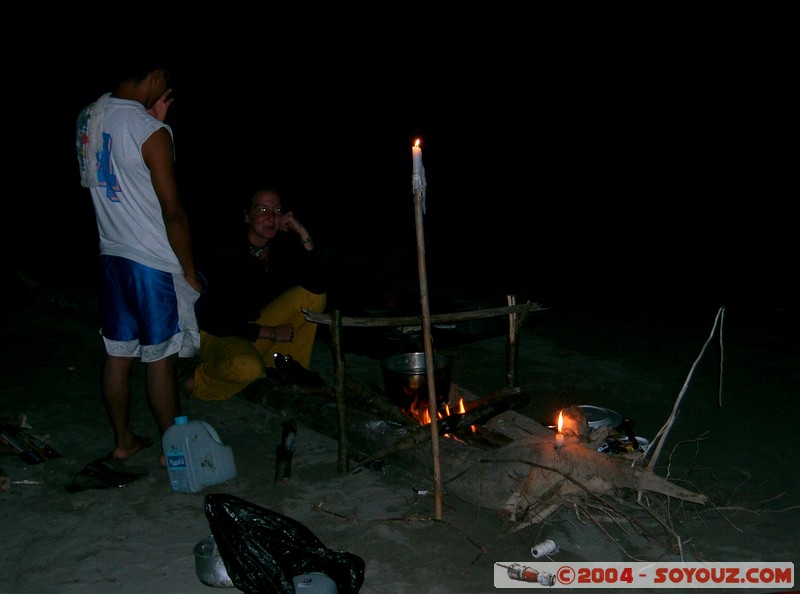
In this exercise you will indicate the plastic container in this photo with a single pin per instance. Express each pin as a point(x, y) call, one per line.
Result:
point(314, 583)
point(195, 456)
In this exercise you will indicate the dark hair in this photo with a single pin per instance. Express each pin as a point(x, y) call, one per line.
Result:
point(247, 201)
point(262, 185)
point(136, 67)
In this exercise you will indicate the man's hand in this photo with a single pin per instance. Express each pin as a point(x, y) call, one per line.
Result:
point(160, 107)
point(196, 282)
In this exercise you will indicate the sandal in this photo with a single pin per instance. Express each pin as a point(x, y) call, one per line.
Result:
point(100, 474)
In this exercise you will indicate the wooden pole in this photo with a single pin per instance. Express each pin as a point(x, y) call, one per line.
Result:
point(512, 348)
point(339, 379)
point(429, 369)
point(458, 316)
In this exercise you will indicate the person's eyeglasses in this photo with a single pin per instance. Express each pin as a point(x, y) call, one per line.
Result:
point(263, 210)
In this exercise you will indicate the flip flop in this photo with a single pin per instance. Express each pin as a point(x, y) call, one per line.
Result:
point(100, 474)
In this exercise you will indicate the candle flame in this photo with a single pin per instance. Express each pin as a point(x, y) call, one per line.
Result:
point(560, 423)
point(417, 143)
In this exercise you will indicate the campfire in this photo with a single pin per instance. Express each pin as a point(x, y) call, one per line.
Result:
point(499, 459)
point(420, 412)
point(526, 470)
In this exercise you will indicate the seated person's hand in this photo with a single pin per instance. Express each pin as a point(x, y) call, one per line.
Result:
point(284, 333)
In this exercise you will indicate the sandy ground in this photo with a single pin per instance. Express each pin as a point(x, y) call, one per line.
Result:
point(139, 538)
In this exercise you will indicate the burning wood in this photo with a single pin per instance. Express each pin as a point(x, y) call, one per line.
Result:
point(455, 424)
point(510, 465)
point(475, 412)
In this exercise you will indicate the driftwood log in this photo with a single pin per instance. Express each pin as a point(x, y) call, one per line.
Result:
point(491, 455)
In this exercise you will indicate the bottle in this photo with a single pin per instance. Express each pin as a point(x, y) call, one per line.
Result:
point(195, 456)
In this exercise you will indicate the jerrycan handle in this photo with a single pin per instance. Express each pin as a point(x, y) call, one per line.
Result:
point(212, 432)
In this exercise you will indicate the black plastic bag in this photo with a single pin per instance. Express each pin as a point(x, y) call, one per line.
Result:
point(263, 550)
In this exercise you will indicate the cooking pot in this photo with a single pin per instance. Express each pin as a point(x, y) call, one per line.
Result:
point(209, 565)
point(405, 380)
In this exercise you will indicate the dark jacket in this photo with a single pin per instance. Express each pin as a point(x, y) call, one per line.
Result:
point(240, 285)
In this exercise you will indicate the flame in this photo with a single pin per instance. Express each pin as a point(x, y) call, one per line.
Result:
point(560, 423)
point(422, 415)
point(417, 143)
point(462, 409)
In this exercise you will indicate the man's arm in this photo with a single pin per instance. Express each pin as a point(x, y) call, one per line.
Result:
point(157, 152)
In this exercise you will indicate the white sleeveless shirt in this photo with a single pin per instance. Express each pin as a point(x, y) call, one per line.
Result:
point(129, 218)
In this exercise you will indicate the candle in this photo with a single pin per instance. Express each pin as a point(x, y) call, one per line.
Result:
point(418, 175)
point(559, 435)
point(416, 153)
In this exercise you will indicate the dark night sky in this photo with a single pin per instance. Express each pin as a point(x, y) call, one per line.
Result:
point(616, 163)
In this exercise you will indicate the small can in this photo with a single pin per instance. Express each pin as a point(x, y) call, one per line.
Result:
point(544, 548)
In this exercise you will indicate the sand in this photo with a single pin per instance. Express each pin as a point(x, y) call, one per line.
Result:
point(140, 537)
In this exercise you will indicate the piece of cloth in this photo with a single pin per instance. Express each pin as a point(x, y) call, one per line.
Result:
point(231, 363)
point(146, 313)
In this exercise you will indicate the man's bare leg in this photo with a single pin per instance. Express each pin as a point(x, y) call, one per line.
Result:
point(163, 397)
point(116, 395)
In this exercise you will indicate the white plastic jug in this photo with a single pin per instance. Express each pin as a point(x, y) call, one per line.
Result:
point(195, 456)
point(314, 583)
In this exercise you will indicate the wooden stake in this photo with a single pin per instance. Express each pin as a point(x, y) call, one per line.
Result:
point(512, 348)
point(658, 441)
point(429, 369)
point(339, 378)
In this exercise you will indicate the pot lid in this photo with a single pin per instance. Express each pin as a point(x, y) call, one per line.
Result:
point(597, 416)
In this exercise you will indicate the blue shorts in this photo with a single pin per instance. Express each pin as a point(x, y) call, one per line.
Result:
point(146, 313)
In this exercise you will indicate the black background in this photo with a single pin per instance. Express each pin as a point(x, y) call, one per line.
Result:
point(563, 160)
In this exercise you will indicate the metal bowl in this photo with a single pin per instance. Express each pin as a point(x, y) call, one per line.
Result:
point(597, 416)
point(209, 565)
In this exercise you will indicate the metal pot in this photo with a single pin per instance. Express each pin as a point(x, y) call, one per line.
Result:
point(209, 565)
point(405, 380)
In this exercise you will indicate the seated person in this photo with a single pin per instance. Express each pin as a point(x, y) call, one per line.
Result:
point(256, 288)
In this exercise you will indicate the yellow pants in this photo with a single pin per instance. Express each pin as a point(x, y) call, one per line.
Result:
point(230, 363)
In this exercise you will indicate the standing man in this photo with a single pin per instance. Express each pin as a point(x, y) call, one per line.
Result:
point(148, 281)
